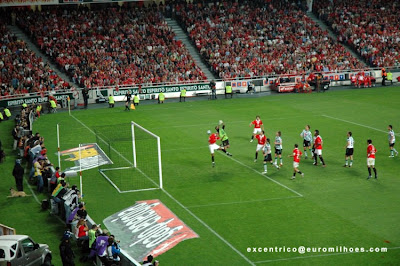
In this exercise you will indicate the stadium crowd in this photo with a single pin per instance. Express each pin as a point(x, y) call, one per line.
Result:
point(21, 71)
point(257, 38)
point(131, 46)
point(371, 27)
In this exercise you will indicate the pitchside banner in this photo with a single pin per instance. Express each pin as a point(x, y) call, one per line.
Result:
point(86, 157)
point(164, 89)
point(148, 227)
point(33, 100)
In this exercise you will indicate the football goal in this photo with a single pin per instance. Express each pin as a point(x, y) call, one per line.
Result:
point(135, 153)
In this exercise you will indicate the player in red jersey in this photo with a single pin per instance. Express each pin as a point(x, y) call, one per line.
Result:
point(212, 144)
point(258, 127)
point(262, 139)
point(354, 80)
point(371, 159)
point(296, 161)
point(318, 148)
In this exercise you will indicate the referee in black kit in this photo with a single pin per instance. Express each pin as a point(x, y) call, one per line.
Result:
point(128, 96)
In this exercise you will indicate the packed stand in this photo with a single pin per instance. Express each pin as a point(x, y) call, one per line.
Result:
point(21, 71)
point(370, 27)
point(258, 38)
point(111, 46)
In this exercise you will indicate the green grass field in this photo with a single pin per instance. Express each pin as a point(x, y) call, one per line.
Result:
point(233, 207)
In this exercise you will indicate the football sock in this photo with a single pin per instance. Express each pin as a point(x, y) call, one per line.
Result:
point(212, 158)
point(345, 162)
point(294, 173)
point(394, 150)
point(391, 152)
point(351, 162)
point(252, 136)
point(299, 172)
point(256, 155)
point(322, 160)
point(305, 153)
point(369, 171)
point(276, 160)
point(265, 167)
point(281, 160)
point(374, 171)
point(223, 150)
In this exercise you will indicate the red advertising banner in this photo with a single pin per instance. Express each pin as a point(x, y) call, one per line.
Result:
point(148, 227)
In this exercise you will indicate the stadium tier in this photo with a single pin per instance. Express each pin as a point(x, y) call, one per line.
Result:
point(132, 46)
point(257, 38)
point(22, 71)
point(370, 27)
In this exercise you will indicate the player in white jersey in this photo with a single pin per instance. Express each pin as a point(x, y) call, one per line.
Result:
point(349, 150)
point(307, 139)
point(278, 148)
point(267, 156)
point(392, 141)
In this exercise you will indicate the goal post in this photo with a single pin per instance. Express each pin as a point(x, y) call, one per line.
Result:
point(136, 155)
point(134, 127)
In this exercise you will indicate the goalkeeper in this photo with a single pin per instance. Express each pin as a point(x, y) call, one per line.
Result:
point(223, 136)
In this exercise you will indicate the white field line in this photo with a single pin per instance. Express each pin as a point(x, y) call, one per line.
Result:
point(245, 122)
point(240, 202)
point(33, 193)
point(191, 213)
point(38, 201)
point(209, 228)
point(239, 162)
point(319, 255)
point(267, 177)
point(357, 124)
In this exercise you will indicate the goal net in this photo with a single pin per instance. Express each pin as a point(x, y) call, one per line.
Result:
point(135, 153)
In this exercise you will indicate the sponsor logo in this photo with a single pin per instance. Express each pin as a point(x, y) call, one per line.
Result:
point(148, 227)
point(33, 100)
point(164, 89)
point(286, 88)
point(86, 157)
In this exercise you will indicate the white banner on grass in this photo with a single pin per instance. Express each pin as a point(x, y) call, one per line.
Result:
point(90, 156)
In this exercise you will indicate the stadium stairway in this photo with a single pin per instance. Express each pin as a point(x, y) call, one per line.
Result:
point(182, 36)
point(22, 36)
point(323, 26)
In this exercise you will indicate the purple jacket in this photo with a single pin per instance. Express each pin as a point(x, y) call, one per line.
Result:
point(101, 245)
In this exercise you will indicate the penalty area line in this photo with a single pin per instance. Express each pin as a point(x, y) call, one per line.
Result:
point(231, 122)
point(357, 124)
point(267, 177)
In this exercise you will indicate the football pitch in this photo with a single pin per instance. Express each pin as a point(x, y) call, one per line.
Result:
point(235, 209)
